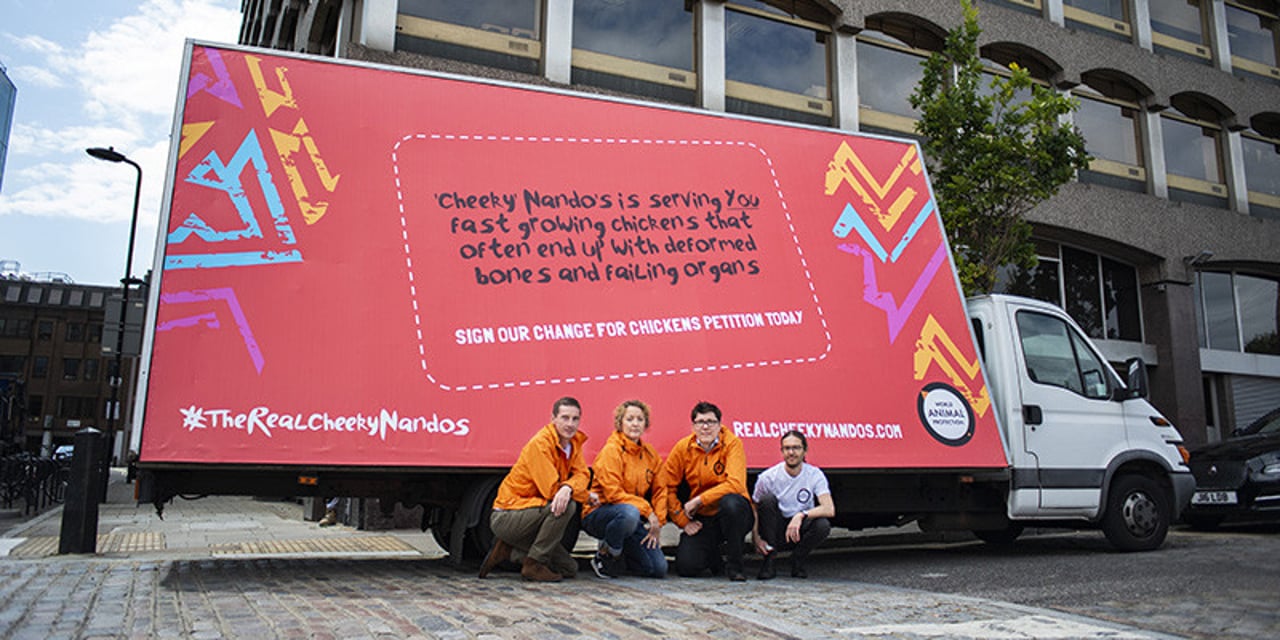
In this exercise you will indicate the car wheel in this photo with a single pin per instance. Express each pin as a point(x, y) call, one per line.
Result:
point(1138, 513)
point(1000, 537)
point(1201, 522)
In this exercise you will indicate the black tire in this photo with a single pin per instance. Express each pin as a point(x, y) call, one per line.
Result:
point(1000, 537)
point(1138, 513)
point(1201, 522)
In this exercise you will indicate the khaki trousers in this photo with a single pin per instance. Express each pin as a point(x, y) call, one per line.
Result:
point(535, 533)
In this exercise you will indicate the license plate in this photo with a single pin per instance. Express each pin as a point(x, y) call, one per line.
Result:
point(1214, 497)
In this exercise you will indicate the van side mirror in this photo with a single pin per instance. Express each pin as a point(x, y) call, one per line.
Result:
point(1136, 380)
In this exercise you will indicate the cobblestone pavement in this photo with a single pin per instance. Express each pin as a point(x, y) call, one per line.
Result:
point(75, 597)
point(241, 568)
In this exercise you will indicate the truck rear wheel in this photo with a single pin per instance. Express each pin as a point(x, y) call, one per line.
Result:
point(1138, 513)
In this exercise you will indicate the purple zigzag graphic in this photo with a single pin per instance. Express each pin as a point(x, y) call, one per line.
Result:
point(883, 300)
point(226, 295)
point(222, 88)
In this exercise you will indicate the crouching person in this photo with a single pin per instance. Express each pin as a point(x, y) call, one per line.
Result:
point(625, 518)
point(539, 498)
point(793, 504)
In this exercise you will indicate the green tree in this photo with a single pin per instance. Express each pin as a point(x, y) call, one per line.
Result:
point(995, 148)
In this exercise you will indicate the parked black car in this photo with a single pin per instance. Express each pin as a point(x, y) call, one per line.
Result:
point(1238, 478)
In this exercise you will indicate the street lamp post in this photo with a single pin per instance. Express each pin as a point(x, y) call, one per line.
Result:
point(91, 453)
point(111, 155)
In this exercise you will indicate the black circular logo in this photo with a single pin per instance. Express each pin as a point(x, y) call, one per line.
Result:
point(719, 468)
point(945, 414)
point(804, 496)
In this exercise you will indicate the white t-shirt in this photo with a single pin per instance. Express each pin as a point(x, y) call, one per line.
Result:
point(795, 494)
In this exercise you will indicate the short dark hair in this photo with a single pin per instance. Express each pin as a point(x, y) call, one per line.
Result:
point(795, 434)
point(704, 407)
point(566, 401)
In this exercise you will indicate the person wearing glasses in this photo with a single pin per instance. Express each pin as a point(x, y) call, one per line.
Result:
point(793, 505)
point(716, 508)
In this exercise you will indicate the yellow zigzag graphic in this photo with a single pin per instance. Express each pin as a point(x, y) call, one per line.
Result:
point(839, 171)
point(930, 349)
point(288, 145)
point(191, 134)
point(271, 100)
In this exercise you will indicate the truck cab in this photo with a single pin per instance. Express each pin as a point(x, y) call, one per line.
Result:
point(1083, 444)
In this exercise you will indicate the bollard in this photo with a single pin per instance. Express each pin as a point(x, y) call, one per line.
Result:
point(80, 510)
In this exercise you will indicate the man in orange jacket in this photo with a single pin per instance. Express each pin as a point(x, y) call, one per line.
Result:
point(713, 465)
point(539, 497)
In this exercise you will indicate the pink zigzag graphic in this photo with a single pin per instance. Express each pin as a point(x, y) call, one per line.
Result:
point(223, 88)
point(226, 295)
point(883, 300)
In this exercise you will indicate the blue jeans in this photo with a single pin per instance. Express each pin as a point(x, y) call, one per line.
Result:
point(621, 529)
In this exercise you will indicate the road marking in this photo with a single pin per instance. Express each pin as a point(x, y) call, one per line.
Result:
point(1032, 626)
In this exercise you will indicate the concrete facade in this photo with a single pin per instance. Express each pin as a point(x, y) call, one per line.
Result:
point(1142, 227)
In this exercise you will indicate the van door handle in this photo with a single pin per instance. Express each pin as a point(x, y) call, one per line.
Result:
point(1031, 414)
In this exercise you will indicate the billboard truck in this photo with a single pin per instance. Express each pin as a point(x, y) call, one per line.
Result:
point(375, 282)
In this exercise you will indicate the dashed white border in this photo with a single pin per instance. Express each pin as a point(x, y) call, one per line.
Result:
point(413, 290)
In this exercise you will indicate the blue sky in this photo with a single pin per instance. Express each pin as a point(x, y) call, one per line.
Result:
point(92, 73)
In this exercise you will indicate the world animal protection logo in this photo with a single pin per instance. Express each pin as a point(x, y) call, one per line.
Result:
point(881, 226)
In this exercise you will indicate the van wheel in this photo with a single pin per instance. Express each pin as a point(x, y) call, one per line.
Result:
point(1138, 514)
point(1000, 537)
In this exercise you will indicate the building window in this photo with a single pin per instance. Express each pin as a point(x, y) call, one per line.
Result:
point(1099, 293)
point(76, 407)
point(15, 328)
point(35, 295)
point(1251, 36)
point(890, 56)
point(55, 296)
point(643, 47)
point(775, 65)
point(13, 365)
point(40, 367)
point(498, 33)
point(1262, 174)
point(76, 298)
point(91, 369)
point(1193, 160)
point(1238, 312)
point(70, 368)
point(35, 407)
point(44, 330)
point(96, 298)
point(1109, 17)
point(1113, 138)
point(95, 333)
point(75, 332)
point(1178, 26)
point(13, 293)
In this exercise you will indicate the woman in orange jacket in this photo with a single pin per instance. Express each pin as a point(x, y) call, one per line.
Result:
point(625, 520)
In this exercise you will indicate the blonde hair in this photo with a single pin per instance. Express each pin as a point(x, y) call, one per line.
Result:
point(622, 410)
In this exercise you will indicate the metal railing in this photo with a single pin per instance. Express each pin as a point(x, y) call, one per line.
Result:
point(38, 482)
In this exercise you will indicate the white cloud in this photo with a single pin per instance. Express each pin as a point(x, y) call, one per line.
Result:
point(38, 76)
point(125, 77)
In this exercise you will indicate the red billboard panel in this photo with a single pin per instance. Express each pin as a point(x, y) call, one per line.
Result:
point(374, 267)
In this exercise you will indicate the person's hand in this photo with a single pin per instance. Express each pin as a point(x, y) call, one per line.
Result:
point(593, 499)
point(693, 527)
point(793, 528)
point(654, 538)
point(691, 507)
point(762, 546)
point(561, 500)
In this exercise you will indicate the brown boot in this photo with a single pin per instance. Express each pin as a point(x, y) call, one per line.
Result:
point(537, 572)
point(330, 518)
point(500, 553)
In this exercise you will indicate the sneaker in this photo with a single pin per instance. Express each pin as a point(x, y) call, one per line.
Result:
point(604, 565)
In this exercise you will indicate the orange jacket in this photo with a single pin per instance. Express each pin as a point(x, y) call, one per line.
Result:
point(625, 472)
point(710, 474)
point(541, 470)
